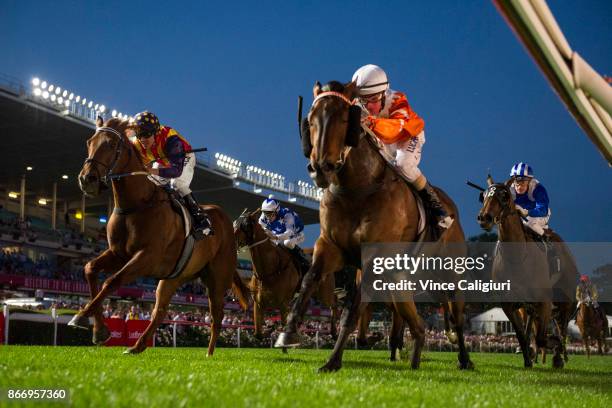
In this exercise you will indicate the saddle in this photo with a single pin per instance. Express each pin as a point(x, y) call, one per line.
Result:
point(176, 203)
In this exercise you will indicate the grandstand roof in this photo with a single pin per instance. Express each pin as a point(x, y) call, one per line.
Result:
point(53, 143)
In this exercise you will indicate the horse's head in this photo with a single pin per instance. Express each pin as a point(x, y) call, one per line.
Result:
point(333, 126)
point(244, 228)
point(108, 150)
point(497, 203)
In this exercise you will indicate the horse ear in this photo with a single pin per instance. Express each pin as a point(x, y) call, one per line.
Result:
point(490, 181)
point(316, 89)
point(509, 183)
point(99, 121)
point(245, 211)
point(350, 89)
point(257, 211)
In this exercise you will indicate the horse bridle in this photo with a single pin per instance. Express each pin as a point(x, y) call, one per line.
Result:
point(507, 208)
point(343, 155)
point(248, 234)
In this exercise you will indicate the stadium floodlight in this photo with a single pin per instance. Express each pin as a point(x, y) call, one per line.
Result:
point(51, 88)
point(35, 81)
point(71, 96)
point(13, 194)
point(96, 106)
point(90, 104)
point(120, 115)
point(45, 95)
point(42, 201)
point(114, 113)
point(58, 90)
point(84, 101)
point(37, 91)
point(29, 168)
point(65, 93)
point(77, 99)
point(60, 100)
point(102, 109)
point(216, 155)
point(65, 177)
point(66, 103)
point(43, 84)
point(53, 97)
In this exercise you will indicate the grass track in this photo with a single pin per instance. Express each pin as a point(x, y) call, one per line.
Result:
point(182, 377)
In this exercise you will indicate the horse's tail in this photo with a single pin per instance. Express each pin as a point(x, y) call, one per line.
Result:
point(241, 291)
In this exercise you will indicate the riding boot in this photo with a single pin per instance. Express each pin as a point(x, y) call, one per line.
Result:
point(201, 224)
point(304, 263)
point(432, 200)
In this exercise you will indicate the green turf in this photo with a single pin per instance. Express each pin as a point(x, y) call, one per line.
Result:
point(103, 377)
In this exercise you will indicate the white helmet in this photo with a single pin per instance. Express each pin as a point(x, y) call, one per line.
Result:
point(371, 79)
point(270, 204)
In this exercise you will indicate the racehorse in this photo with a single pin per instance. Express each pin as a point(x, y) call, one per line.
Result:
point(525, 256)
point(364, 201)
point(276, 276)
point(146, 238)
point(592, 327)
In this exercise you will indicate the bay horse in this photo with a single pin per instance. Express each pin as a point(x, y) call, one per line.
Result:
point(146, 237)
point(592, 327)
point(364, 202)
point(276, 276)
point(526, 257)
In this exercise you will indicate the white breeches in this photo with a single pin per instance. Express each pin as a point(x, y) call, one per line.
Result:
point(408, 155)
point(538, 224)
point(293, 241)
point(181, 183)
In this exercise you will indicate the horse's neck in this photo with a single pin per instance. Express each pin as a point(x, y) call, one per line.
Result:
point(364, 166)
point(132, 191)
point(511, 229)
point(265, 255)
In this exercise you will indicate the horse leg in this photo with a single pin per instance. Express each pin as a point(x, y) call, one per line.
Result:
point(107, 261)
point(587, 345)
point(163, 294)
point(137, 266)
point(362, 327)
point(215, 302)
point(408, 311)
point(327, 259)
point(333, 322)
point(348, 322)
point(258, 318)
point(283, 318)
point(517, 324)
point(396, 336)
point(544, 316)
point(456, 310)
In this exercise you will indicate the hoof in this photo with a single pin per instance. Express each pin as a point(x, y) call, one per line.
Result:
point(287, 339)
point(330, 367)
point(101, 336)
point(465, 365)
point(79, 321)
point(558, 362)
point(529, 364)
point(284, 350)
point(132, 350)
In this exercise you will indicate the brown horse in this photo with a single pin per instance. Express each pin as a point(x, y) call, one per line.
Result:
point(592, 327)
point(275, 274)
point(498, 209)
point(364, 201)
point(146, 237)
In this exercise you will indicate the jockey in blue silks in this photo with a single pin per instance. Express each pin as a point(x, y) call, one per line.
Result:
point(530, 198)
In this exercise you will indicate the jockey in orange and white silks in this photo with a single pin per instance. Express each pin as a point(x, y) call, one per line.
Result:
point(394, 123)
point(170, 162)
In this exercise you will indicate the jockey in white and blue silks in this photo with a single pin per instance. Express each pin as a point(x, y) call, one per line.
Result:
point(283, 225)
point(530, 197)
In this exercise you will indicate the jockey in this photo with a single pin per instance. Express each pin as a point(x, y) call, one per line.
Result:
point(530, 198)
point(585, 291)
point(402, 131)
point(284, 227)
point(171, 163)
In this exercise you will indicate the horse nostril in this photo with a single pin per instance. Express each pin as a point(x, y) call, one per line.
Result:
point(327, 166)
point(484, 218)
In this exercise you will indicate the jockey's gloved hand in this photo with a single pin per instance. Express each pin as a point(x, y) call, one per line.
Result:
point(523, 212)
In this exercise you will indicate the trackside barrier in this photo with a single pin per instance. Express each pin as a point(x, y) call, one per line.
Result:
point(4, 325)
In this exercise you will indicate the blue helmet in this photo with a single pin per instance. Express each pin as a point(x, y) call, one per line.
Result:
point(521, 170)
point(270, 204)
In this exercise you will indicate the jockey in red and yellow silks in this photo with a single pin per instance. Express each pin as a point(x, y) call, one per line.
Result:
point(394, 122)
point(171, 163)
